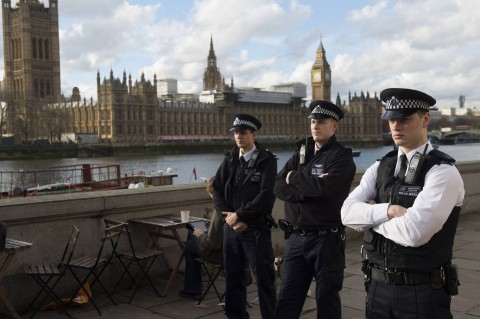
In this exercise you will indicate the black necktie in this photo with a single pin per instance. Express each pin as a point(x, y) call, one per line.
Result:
point(403, 166)
point(240, 170)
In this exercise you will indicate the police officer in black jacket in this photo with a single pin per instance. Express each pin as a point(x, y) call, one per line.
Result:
point(408, 203)
point(314, 183)
point(243, 193)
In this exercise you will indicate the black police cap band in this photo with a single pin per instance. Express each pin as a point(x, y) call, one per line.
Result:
point(322, 109)
point(402, 102)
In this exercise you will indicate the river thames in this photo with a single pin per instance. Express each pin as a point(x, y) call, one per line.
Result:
point(206, 164)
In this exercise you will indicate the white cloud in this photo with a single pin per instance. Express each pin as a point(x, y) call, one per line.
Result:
point(425, 44)
point(428, 45)
point(367, 12)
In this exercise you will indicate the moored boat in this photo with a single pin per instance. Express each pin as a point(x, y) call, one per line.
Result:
point(151, 180)
point(73, 178)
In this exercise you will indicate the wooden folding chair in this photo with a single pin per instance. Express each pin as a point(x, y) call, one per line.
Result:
point(43, 274)
point(140, 257)
point(95, 266)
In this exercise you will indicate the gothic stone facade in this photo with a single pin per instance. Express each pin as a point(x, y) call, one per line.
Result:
point(32, 63)
point(131, 113)
point(362, 120)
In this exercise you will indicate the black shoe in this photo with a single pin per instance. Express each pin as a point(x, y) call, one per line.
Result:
point(190, 295)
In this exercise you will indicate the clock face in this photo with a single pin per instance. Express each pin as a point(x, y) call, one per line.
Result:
point(317, 76)
point(327, 76)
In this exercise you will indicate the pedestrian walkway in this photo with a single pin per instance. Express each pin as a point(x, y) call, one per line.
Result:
point(147, 305)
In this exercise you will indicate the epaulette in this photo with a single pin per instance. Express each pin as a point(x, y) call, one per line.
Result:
point(444, 158)
point(231, 151)
point(271, 153)
point(299, 143)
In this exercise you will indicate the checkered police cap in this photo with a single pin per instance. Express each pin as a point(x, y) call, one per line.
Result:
point(324, 109)
point(245, 121)
point(404, 102)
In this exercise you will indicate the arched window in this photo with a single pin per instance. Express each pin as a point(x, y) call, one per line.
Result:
point(12, 49)
point(40, 49)
point(15, 88)
point(47, 50)
point(42, 88)
point(17, 49)
point(48, 88)
point(19, 53)
point(34, 48)
point(35, 88)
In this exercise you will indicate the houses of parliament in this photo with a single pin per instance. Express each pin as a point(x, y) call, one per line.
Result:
point(145, 111)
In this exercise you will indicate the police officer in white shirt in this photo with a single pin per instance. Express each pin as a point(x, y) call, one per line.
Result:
point(409, 216)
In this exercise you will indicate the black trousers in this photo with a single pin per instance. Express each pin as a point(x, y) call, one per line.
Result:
point(253, 246)
point(421, 301)
point(306, 257)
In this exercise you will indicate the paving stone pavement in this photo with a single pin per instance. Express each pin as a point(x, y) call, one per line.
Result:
point(147, 305)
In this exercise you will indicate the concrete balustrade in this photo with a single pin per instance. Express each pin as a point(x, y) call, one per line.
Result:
point(46, 222)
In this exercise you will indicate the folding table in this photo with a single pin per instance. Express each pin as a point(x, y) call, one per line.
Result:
point(12, 247)
point(166, 226)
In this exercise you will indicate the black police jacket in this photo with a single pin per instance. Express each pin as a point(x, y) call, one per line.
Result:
point(312, 202)
point(253, 199)
point(390, 189)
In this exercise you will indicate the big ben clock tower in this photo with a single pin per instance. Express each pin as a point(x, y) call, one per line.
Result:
point(321, 76)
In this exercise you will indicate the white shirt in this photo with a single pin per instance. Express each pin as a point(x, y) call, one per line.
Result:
point(442, 191)
point(248, 155)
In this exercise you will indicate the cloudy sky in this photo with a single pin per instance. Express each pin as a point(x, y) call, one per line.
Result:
point(430, 45)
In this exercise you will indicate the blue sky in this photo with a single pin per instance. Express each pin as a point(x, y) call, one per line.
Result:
point(429, 45)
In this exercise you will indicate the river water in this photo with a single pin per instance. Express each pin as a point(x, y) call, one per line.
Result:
point(206, 165)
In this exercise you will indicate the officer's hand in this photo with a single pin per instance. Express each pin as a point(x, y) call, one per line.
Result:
point(231, 218)
point(396, 211)
point(240, 227)
point(287, 179)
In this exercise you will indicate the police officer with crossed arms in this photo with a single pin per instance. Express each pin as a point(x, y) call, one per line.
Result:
point(408, 203)
point(313, 184)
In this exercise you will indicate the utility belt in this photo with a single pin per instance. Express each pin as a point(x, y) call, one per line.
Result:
point(445, 276)
point(393, 277)
point(290, 229)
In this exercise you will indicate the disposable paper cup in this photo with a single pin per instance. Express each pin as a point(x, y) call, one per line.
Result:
point(185, 215)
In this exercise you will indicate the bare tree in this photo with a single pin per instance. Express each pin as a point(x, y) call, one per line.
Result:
point(25, 121)
point(54, 117)
point(3, 118)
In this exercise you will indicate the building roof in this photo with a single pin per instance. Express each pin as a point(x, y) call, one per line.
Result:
point(258, 96)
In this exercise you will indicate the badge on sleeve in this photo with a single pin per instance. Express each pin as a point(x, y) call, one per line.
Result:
point(256, 177)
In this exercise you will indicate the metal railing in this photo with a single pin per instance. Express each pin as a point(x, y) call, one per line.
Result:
point(60, 179)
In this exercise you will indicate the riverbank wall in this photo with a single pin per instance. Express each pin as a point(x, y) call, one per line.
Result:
point(46, 222)
point(31, 151)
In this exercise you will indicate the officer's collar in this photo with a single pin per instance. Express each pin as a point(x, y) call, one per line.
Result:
point(420, 149)
point(247, 155)
point(325, 146)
